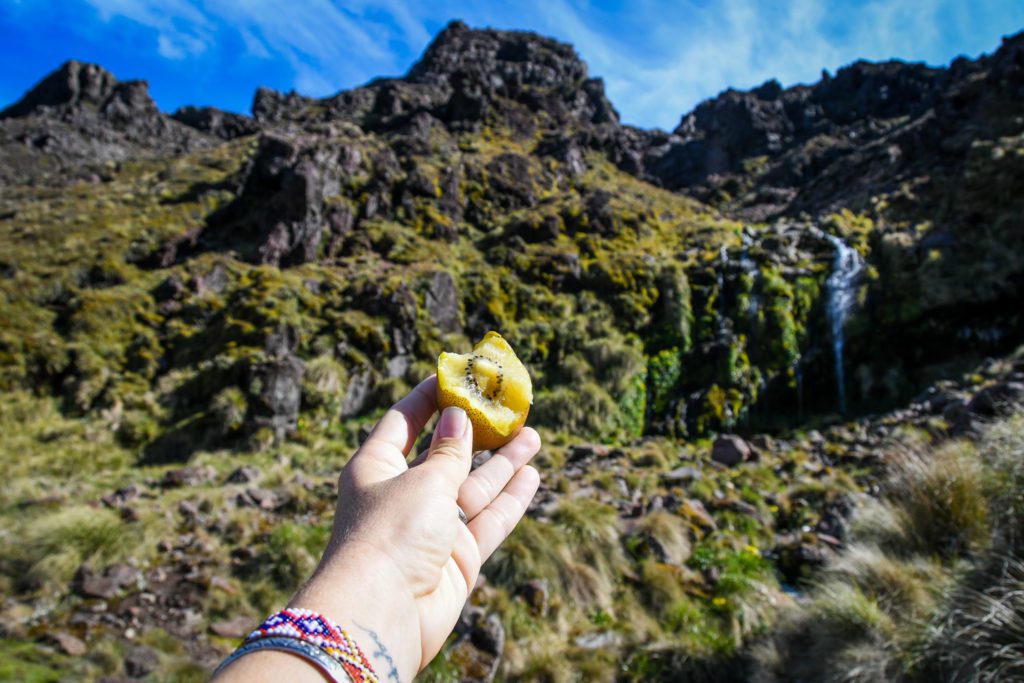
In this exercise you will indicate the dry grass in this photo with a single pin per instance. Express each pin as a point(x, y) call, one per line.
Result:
point(44, 552)
point(932, 588)
point(943, 498)
point(980, 636)
point(979, 633)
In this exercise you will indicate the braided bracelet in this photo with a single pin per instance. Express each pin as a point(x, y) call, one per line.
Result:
point(309, 627)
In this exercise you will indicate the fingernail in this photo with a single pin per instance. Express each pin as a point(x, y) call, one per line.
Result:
point(452, 424)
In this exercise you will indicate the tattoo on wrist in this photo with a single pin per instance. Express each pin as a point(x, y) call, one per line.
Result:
point(383, 655)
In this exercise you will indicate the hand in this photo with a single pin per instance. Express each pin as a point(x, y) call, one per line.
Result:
point(400, 564)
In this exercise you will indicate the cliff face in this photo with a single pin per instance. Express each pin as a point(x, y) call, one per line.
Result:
point(209, 282)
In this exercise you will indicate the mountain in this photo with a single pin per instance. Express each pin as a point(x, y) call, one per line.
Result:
point(186, 296)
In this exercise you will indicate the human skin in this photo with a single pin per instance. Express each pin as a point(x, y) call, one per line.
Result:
point(400, 564)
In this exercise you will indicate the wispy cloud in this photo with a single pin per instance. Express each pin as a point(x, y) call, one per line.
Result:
point(182, 29)
point(658, 58)
point(324, 43)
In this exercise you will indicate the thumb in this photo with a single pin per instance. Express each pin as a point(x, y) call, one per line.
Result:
point(451, 448)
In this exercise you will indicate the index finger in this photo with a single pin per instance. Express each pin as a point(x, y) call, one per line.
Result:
point(402, 424)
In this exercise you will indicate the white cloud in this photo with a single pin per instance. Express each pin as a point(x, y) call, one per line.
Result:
point(182, 29)
point(692, 50)
point(658, 58)
point(327, 45)
point(167, 48)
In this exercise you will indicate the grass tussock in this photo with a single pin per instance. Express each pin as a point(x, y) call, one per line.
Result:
point(980, 634)
point(930, 586)
point(579, 554)
point(943, 499)
point(45, 552)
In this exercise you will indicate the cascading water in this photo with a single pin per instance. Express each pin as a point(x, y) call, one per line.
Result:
point(723, 257)
point(841, 288)
point(749, 267)
point(798, 370)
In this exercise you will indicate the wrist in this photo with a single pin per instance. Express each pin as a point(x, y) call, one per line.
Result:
point(357, 590)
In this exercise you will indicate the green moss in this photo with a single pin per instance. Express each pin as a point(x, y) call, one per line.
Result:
point(664, 370)
point(293, 550)
point(632, 406)
point(24, 661)
point(782, 347)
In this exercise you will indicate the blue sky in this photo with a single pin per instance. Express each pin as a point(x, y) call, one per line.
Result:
point(658, 58)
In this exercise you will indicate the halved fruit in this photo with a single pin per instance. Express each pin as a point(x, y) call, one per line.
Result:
point(492, 385)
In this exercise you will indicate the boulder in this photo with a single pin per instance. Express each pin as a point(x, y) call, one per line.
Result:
point(187, 476)
point(695, 511)
point(69, 644)
point(730, 450)
point(479, 645)
point(275, 388)
point(264, 499)
point(681, 475)
point(992, 400)
point(246, 474)
point(358, 393)
point(238, 627)
point(140, 661)
point(441, 300)
point(597, 640)
point(223, 124)
point(536, 594)
point(586, 451)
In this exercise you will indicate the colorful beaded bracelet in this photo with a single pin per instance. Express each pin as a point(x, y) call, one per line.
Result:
point(309, 627)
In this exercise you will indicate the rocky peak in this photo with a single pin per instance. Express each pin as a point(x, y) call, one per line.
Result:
point(479, 65)
point(465, 76)
point(75, 85)
point(773, 150)
point(765, 120)
point(498, 59)
point(881, 90)
point(79, 118)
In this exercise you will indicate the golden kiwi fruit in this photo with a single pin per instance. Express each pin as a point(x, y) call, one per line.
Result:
point(492, 385)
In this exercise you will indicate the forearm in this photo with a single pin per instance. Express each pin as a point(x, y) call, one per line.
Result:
point(361, 596)
point(364, 596)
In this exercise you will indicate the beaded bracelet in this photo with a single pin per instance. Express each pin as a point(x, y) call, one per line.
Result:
point(309, 627)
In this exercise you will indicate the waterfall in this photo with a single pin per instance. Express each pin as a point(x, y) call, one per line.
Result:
point(842, 291)
point(798, 369)
point(723, 257)
point(749, 266)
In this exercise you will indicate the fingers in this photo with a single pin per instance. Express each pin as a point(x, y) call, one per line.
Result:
point(466, 554)
point(451, 450)
point(487, 481)
point(402, 424)
point(496, 521)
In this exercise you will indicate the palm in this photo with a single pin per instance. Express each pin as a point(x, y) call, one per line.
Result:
point(438, 556)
